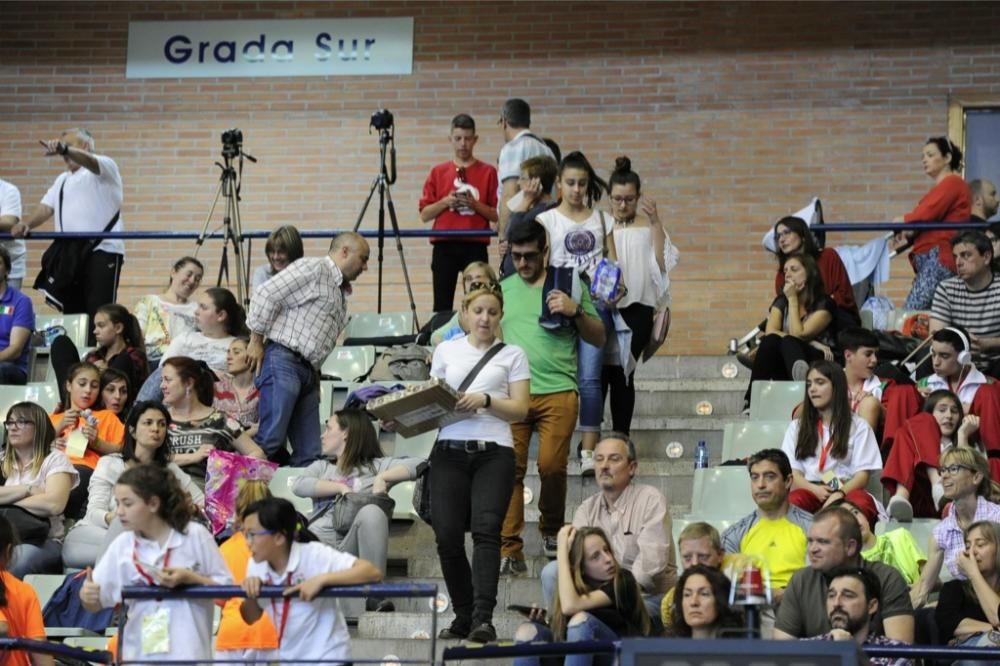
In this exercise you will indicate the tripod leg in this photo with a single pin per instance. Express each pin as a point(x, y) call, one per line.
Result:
point(382, 189)
point(402, 258)
point(208, 219)
point(241, 261)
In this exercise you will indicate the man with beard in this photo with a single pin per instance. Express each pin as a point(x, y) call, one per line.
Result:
point(852, 601)
point(774, 534)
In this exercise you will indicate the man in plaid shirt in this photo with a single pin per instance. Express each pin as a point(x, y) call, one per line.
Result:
point(295, 319)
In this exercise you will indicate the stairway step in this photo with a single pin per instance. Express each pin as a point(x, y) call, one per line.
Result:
point(689, 367)
point(523, 590)
point(404, 625)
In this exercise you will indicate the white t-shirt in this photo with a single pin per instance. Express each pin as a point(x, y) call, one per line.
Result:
point(314, 629)
point(90, 200)
point(198, 346)
point(862, 452)
point(10, 204)
point(452, 362)
point(513, 153)
point(55, 463)
point(578, 245)
point(966, 390)
point(190, 620)
point(162, 321)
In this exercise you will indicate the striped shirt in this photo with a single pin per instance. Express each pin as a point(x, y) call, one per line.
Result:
point(976, 311)
point(303, 308)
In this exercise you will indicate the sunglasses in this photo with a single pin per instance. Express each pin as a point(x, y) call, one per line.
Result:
point(489, 285)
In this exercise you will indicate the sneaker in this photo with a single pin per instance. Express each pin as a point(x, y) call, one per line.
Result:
point(799, 371)
point(900, 510)
point(550, 545)
point(513, 566)
point(586, 463)
point(457, 631)
point(483, 633)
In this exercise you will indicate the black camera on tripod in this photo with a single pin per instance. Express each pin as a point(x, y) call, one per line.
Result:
point(232, 142)
point(381, 120)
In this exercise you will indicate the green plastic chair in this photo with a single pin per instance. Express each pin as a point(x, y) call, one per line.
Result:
point(349, 364)
point(743, 439)
point(720, 493)
point(281, 486)
point(774, 401)
point(383, 325)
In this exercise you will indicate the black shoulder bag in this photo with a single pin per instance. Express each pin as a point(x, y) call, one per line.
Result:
point(422, 487)
point(64, 260)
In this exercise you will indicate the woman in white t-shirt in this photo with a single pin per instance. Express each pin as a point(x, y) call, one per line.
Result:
point(220, 319)
point(578, 237)
point(162, 317)
point(473, 460)
point(832, 450)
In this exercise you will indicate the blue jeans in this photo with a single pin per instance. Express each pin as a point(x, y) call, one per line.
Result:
point(589, 363)
point(591, 629)
point(289, 405)
point(32, 559)
point(11, 373)
point(930, 272)
point(151, 387)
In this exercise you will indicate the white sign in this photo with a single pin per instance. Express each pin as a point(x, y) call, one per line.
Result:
point(300, 47)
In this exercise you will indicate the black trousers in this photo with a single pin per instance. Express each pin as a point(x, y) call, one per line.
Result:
point(448, 260)
point(639, 318)
point(470, 489)
point(776, 354)
point(98, 286)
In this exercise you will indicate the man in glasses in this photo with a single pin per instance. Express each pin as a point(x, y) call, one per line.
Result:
point(554, 400)
point(460, 194)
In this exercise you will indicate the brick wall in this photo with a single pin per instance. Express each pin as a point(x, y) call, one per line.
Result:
point(734, 114)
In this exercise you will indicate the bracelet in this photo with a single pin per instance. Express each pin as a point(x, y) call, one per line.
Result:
point(489, 401)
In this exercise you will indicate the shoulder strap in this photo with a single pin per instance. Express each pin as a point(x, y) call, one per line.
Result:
point(490, 353)
point(107, 228)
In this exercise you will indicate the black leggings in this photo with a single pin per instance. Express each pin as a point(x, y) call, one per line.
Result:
point(776, 354)
point(639, 318)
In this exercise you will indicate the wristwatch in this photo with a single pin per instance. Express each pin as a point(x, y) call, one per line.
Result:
point(579, 311)
point(489, 401)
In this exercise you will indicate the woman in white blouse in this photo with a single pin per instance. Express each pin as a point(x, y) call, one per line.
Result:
point(38, 479)
point(472, 463)
point(165, 316)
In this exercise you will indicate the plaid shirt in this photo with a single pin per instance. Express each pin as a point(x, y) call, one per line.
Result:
point(303, 308)
point(950, 538)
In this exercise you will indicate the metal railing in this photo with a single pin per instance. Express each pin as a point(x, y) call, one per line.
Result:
point(382, 590)
point(54, 650)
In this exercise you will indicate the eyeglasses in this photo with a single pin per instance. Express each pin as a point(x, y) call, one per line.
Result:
point(618, 201)
point(524, 256)
point(17, 424)
point(489, 285)
point(952, 470)
point(250, 535)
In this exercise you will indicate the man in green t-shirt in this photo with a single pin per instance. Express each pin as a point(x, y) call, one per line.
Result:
point(554, 399)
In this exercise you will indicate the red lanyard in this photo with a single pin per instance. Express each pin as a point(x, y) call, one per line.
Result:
point(138, 567)
point(285, 605)
point(824, 450)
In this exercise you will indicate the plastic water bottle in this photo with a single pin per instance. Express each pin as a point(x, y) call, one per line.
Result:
point(701, 456)
point(89, 417)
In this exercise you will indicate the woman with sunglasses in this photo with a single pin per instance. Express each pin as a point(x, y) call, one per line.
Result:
point(965, 479)
point(473, 460)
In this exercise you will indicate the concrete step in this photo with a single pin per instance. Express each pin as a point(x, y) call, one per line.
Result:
point(691, 367)
point(687, 397)
point(511, 590)
point(405, 625)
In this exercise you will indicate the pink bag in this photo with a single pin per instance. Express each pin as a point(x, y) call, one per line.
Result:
point(226, 472)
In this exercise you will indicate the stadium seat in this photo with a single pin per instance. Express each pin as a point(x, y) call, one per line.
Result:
point(418, 446)
point(774, 401)
point(339, 392)
point(720, 493)
point(349, 364)
point(42, 393)
point(76, 325)
point(281, 486)
point(326, 391)
point(45, 585)
point(87, 642)
point(384, 325)
point(743, 439)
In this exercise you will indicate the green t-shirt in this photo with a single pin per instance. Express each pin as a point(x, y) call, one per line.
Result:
point(898, 549)
point(551, 354)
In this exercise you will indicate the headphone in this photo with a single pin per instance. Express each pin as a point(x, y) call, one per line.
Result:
point(965, 356)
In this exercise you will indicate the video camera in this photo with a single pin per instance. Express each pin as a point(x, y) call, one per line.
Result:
point(381, 120)
point(232, 142)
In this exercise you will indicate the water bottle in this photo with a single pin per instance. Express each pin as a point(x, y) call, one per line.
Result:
point(89, 417)
point(701, 456)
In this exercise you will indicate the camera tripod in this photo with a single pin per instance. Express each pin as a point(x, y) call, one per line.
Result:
point(229, 188)
point(381, 183)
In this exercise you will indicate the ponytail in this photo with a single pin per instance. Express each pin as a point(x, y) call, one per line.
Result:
point(595, 185)
point(198, 373)
point(278, 516)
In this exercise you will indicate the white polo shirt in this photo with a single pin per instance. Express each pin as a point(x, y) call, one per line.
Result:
point(190, 620)
point(90, 201)
point(10, 204)
point(313, 629)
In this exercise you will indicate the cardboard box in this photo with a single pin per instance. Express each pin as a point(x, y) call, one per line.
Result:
point(419, 408)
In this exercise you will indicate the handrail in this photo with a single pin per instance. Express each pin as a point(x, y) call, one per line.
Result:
point(405, 590)
point(462, 233)
point(55, 649)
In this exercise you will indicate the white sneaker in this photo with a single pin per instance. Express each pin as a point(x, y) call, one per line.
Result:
point(586, 463)
point(799, 371)
point(900, 510)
